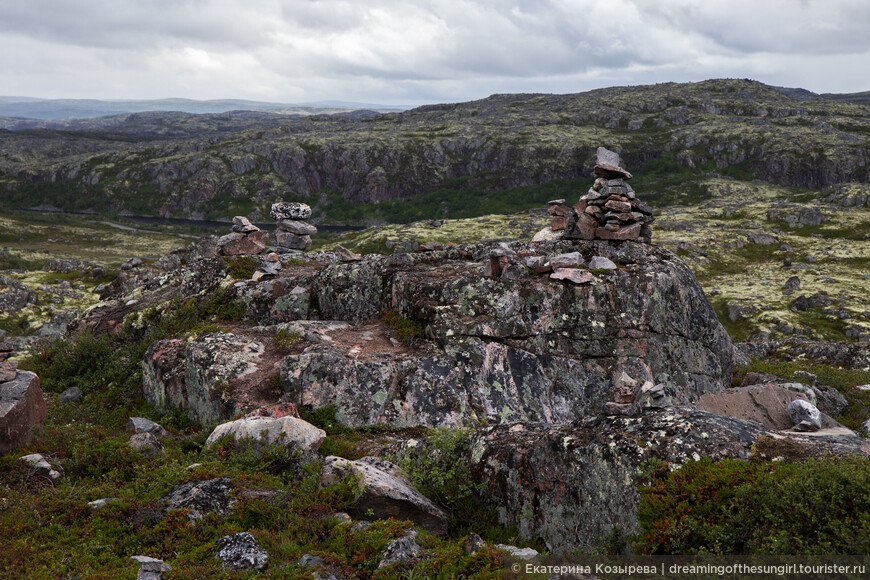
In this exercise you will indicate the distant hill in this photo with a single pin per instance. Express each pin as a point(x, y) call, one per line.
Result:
point(501, 154)
point(805, 95)
point(50, 109)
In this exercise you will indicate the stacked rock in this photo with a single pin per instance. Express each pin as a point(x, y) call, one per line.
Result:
point(610, 210)
point(293, 234)
point(245, 239)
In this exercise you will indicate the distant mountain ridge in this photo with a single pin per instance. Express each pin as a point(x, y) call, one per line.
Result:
point(54, 109)
point(497, 155)
point(862, 98)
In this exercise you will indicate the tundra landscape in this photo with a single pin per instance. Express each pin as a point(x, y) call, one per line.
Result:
point(333, 342)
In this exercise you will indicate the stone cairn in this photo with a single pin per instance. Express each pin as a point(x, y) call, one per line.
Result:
point(610, 209)
point(293, 234)
point(246, 239)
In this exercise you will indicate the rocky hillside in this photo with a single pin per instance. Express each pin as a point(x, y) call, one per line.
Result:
point(440, 413)
point(442, 156)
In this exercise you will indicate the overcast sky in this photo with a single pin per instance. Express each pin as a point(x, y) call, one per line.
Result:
point(420, 51)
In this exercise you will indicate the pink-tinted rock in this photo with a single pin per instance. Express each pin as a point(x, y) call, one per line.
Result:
point(205, 376)
point(765, 404)
point(244, 244)
point(630, 232)
point(346, 255)
point(7, 371)
point(22, 411)
point(618, 206)
point(243, 225)
point(575, 275)
point(6, 350)
point(559, 209)
point(581, 226)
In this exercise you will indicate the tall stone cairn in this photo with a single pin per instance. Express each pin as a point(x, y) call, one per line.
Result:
point(610, 209)
point(293, 234)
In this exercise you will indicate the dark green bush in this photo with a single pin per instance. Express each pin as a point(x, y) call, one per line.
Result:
point(241, 267)
point(735, 507)
point(406, 329)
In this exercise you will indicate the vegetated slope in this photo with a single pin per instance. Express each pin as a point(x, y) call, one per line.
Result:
point(445, 158)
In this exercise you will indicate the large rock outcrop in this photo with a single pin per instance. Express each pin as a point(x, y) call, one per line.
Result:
point(530, 348)
point(525, 347)
point(569, 485)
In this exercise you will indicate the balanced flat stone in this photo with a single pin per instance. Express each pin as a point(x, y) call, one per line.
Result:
point(290, 210)
point(297, 227)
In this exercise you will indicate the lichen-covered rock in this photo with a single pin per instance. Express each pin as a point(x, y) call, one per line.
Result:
point(147, 443)
point(14, 295)
point(290, 210)
point(201, 497)
point(22, 411)
point(282, 299)
point(241, 552)
point(401, 550)
point(844, 354)
point(351, 292)
point(569, 485)
point(384, 492)
point(514, 349)
point(803, 412)
point(291, 431)
point(200, 374)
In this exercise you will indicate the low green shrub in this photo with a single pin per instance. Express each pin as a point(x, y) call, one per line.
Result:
point(241, 267)
point(406, 330)
point(287, 339)
point(735, 507)
point(437, 466)
point(10, 261)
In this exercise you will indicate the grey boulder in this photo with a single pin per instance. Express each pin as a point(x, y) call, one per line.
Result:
point(805, 416)
point(385, 492)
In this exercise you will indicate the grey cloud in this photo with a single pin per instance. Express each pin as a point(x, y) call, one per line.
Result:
point(751, 26)
point(407, 49)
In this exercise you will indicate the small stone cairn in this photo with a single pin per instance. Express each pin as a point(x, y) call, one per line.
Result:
point(293, 234)
point(246, 239)
point(610, 209)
